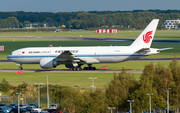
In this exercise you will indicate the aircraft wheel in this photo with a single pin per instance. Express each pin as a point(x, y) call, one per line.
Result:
point(77, 68)
point(71, 69)
point(80, 68)
point(20, 68)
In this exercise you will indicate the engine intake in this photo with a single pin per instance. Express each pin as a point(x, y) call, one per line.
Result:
point(48, 63)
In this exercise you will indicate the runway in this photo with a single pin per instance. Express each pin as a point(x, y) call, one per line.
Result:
point(89, 38)
point(68, 71)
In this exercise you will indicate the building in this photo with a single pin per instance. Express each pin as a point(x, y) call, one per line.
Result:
point(171, 24)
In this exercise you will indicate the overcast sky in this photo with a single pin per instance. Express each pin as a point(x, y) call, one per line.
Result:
point(86, 5)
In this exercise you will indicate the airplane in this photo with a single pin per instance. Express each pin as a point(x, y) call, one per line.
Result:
point(75, 57)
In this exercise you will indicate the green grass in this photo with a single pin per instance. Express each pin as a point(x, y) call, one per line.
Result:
point(65, 79)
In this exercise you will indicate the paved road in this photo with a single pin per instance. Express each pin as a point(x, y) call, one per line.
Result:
point(68, 71)
point(89, 38)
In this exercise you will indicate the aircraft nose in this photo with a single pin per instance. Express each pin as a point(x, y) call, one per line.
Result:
point(9, 57)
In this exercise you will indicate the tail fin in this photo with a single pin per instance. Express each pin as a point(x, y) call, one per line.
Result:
point(144, 40)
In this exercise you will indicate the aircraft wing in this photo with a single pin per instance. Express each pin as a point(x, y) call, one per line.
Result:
point(68, 56)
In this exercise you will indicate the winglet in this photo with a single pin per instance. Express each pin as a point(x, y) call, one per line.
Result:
point(144, 40)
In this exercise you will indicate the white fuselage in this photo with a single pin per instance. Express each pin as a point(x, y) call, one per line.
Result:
point(101, 54)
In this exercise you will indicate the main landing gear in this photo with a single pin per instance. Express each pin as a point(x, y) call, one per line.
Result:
point(90, 67)
point(85, 68)
point(76, 69)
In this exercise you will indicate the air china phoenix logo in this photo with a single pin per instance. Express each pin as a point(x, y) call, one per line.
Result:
point(23, 52)
point(147, 37)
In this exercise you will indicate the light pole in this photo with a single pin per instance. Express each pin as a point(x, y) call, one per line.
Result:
point(150, 102)
point(93, 83)
point(168, 99)
point(18, 100)
point(111, 108)
point(38, 93)
point(130, 105)
point(47, 92)
point(154, 66)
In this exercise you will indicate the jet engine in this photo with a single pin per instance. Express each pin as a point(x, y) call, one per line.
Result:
point(48, 62)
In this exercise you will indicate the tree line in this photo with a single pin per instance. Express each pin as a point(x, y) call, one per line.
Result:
point(155, 79)
point(137, 19)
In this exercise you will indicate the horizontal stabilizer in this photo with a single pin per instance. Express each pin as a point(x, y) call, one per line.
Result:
point(165, 49)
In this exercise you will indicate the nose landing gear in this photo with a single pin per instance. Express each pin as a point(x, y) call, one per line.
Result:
point(20, 66)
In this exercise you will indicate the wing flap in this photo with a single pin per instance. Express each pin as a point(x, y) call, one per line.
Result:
point(66, 55)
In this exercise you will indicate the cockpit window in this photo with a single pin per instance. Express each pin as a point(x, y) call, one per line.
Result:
point(10, 54)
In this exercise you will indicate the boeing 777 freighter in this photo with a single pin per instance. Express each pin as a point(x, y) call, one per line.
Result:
point(75, 57)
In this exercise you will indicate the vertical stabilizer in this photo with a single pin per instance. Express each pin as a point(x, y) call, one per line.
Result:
point(144, 40)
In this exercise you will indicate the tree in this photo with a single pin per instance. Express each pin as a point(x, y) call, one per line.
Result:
point(4, 86)
point(14, 23)
point(77, 23)
point(118, 90)
point(175, 70)
point(69, 99)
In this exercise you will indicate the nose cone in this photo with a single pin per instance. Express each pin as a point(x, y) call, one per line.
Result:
point(9, 57)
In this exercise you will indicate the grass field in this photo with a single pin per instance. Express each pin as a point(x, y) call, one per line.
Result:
point(65, 79)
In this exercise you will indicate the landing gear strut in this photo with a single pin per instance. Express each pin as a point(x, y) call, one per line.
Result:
point(20, 67)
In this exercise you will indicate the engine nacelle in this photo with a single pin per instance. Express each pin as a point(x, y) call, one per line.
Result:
point(48, 62)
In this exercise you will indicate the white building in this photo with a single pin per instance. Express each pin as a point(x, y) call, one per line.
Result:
point(171, 24)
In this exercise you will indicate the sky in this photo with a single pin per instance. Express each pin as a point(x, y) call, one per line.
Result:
point(86, 5)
